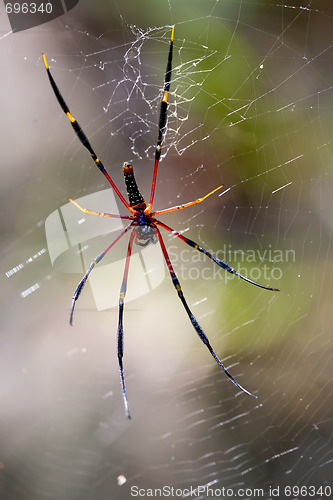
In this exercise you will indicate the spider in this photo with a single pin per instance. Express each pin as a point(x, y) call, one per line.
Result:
point(143, 225)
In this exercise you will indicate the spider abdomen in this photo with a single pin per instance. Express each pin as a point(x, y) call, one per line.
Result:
point(135, 198)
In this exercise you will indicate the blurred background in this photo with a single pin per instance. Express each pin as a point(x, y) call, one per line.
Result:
point(250, 108)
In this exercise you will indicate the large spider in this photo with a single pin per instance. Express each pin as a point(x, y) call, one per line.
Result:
point(144, 225)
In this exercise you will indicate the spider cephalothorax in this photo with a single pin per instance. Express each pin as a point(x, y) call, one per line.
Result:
point(143, 224)
point(145, 231)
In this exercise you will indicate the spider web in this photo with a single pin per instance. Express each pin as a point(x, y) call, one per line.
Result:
point(250, 108)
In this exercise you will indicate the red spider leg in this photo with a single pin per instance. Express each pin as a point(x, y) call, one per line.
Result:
point(100, 214)
point(120, 323)
point(81, 135)
point(90, 268)
point(219, 262)
point(194, 322)
point(180, 207)
point(162, 120)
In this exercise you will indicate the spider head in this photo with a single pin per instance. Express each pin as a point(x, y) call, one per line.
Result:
point(145, 232)
point(135, 198)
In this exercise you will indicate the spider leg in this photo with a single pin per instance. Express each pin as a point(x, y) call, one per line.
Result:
point(194, 322)
point(162, 120)
point(180, 207)
point(120, 324)
point(219, 262)
point(99, 257)
point(81, 135)
point(100, 214)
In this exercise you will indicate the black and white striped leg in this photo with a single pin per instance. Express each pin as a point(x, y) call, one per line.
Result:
point(194, 322)
point(99, 257)
point(120, 324)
